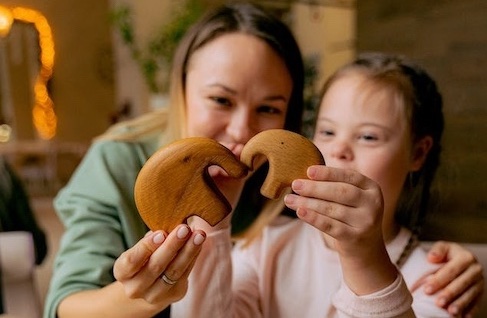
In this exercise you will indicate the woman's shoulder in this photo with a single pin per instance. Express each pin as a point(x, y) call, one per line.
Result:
point(115, 151)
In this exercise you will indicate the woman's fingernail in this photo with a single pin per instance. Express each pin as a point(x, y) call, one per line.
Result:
point(182, 232)
point(199, 239)
point(158, 238)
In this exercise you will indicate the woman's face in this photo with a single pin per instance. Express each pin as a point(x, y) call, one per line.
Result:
point(236, 87)
point(367, 133)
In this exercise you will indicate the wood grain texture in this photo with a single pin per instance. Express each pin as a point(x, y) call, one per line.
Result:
point(289, 155)
point(174, 183)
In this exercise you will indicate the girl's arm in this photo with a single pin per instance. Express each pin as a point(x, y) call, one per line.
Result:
point(347, 207)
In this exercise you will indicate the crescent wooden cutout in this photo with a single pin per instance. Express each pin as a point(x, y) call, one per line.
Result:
point(174, 183)
point(289, 155)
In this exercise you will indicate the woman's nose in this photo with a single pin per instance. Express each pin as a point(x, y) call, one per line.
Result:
point(239, 127)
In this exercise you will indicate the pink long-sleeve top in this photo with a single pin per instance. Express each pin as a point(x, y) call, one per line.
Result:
point(290, 272)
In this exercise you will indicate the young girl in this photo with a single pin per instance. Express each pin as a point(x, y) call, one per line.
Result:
point(353, 251)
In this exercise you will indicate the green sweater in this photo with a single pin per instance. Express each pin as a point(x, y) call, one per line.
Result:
point(100, 218)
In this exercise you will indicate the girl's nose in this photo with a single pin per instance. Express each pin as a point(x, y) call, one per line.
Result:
point(340, 150)
point(239, 127)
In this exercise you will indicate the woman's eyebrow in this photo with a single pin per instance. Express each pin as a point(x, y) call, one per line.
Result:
point(224, 87)
point(234, 92)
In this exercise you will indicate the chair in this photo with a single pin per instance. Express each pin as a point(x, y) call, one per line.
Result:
point(17, 265)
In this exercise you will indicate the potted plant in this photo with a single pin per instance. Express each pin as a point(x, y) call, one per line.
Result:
point(155, 57)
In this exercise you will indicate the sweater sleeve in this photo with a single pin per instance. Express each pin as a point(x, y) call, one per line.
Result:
point(392, 301)
point(209, 291)
point(98, 212)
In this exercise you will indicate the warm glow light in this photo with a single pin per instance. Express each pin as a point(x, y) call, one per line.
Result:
point(6, 20)
point(44, 118)
point(5, 132)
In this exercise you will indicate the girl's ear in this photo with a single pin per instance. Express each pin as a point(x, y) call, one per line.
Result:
point(420, 152)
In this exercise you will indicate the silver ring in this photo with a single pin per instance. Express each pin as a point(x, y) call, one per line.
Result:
point(167, 280)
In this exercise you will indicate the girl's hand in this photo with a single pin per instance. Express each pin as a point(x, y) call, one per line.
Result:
point(460, 280)
point(348, 207)
point(342, 204)
point(141, 268)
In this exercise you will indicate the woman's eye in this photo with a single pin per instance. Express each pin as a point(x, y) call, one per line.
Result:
point(269, 110)
point(221, 101)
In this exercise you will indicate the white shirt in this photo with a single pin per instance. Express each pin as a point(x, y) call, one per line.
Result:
point(290, 272)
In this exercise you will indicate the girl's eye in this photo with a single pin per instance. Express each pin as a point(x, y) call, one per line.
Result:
point(326, 132)
point(369, 137)
point(266, 109)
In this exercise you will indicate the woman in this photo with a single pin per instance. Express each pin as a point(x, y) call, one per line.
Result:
point(237, 72)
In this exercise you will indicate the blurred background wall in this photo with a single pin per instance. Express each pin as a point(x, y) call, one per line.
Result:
point(449, 38)
point(82, 83)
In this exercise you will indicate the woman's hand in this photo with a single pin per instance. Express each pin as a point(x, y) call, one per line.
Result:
point(459, 282)
point(156, 269)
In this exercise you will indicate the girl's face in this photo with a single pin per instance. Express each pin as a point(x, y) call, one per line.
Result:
point(236, 87)
point(367, 133)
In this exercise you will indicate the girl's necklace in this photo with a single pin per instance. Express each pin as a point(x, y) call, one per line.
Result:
point(411, 245)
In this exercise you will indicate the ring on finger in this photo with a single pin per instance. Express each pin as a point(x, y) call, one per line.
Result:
point(167, 280)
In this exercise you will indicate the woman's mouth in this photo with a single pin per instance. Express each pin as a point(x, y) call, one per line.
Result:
point(217, 171)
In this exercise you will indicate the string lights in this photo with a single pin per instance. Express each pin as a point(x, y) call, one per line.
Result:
point(43, 115)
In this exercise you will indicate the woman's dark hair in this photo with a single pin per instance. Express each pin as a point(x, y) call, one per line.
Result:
point(423, 107)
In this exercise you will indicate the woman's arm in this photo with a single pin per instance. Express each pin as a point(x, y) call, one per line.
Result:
point(460, 281)
point(139, 290)
point(110, 300)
